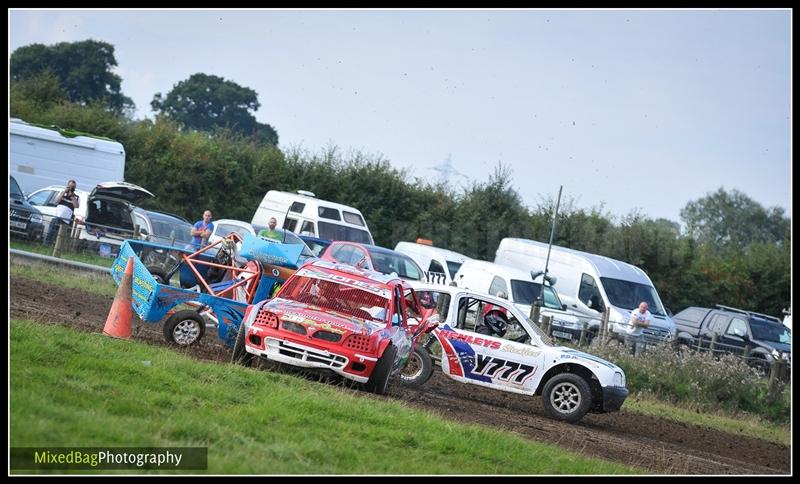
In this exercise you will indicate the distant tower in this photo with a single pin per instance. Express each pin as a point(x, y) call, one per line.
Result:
point(447, 171)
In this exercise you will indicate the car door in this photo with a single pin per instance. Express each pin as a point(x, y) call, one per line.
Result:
point(733, 339)
point(45, 201)
point(493, 361)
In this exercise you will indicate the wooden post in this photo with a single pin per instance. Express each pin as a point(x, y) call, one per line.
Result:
point(59, 240)
point(548, 324)
point(746, 354)
point(535, 314)
point(136, 231)
point(604, 325)
point(583, 334)
point(714, 339)
point(774, 378)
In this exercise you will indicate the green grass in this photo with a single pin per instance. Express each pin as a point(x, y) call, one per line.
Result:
point(85, 257)
point(78, 389)
point(60, 276)
point(746, 425)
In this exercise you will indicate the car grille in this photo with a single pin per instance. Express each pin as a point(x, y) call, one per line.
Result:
point(655, 334)
point(19, 215)
point(307, 354)
point(327, 336)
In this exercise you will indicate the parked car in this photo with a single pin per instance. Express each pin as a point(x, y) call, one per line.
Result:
point(105, 214)
point(316, 244)
point(374, 258)
point(24, 220)
point(225, 226)
point(442, 264)
point(766, 336)
point(337, 318)
point(512, 354)
point(163, 228)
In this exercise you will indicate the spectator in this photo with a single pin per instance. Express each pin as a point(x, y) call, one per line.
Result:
point(271, 233)
point(66, 204)
point(640, 318)
point(201, 231)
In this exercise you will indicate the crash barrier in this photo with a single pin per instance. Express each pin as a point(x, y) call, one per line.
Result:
point(435, 277)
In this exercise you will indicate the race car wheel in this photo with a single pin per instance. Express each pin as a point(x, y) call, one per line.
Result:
point(567, 397)
point(418, 369)
point(379, 380)
point(240, 356)
point(184, 328)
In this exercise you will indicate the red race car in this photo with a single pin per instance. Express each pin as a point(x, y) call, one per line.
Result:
point(334, 317)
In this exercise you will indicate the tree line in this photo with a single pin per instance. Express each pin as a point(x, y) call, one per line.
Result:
point(732, 250)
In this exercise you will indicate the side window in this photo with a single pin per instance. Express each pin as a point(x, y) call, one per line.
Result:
point(44, 197)
point(435, 267)
point(589, 293)
point(737, 328)
point(718, 323)
point(290, 224)
point(343, 253)
point(357, 257)
point(411, 270)
point(435, 300)
point(297, 207)
point(486, 318)
point(498, 284)
point(329, 213)
point(308, 227)
point(412, 311)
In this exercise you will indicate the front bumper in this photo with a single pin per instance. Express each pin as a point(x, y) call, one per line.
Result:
point(613, 397)
point(273, 345)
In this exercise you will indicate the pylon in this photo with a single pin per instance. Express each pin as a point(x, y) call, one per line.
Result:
point(120, 317)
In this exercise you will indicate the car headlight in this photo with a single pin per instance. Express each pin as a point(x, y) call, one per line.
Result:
point(619, 379)
point(36, 218)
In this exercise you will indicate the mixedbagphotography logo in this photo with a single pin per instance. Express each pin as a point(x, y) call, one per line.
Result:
point(65, 458)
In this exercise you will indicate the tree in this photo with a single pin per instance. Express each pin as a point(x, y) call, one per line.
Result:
point(83, 70)
point(733, 220)
point(206, 102)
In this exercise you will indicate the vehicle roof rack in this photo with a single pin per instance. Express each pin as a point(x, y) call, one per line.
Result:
point(749, 313)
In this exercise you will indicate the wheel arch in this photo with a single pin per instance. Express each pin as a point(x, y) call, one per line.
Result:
point(575, 369)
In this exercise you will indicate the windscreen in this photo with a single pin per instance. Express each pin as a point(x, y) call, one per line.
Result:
point(525, 292)
point(765, 331)
point(337, 297)
point(331, 231)
point(628, 295)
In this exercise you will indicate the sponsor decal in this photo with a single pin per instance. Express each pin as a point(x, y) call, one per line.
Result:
point(467, 338)
point(566, 354)
point(379, 289)
point(521, 350)
point(503, 370)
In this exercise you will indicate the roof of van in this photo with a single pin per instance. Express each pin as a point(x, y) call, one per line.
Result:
point(605, 266)
point(313, 200)
point(21, 128)
point(498, 269)
point(429, 250)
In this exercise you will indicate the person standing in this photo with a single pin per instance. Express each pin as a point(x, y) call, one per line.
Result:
point(202, 230)
point(640, 319)
point(271, 233)
point(66, 204)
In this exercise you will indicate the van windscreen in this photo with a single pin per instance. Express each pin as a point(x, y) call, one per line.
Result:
point(628, 294)
point(331, 231)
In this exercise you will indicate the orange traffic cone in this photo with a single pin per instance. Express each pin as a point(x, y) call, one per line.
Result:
point(120, 317)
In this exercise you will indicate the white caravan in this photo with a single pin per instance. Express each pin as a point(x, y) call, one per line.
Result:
point(39, 157)
point(440, 265)
point(589, 283)
point(304, 214)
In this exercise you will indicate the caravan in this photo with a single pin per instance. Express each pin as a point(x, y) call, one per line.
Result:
point(590, 283)
point(304, 214)
point(39, 157)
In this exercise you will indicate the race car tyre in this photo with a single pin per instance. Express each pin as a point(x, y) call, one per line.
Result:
point(567, 397)
point(184, 328)
point(240, 356)
point(379, 380)
point(418, 369)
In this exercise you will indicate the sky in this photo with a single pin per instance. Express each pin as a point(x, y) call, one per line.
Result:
point(629, 110)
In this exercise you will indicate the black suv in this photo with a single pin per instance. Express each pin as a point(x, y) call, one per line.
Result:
point(23, 219)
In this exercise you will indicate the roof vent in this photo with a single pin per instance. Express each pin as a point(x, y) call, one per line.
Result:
point(306, 193)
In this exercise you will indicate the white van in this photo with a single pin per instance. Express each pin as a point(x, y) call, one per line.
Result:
point(39, 157)
point(440, 265)
point(522, 291)
point(304, 214)
point(589, 283)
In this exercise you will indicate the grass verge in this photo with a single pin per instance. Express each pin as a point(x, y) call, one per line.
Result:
point(78, 389)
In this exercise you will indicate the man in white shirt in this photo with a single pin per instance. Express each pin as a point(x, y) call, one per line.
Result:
point(640, 319)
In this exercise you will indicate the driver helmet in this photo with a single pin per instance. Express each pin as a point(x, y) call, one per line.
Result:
point(496, 324)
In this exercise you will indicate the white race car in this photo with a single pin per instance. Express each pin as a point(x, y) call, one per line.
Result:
point(489, 342)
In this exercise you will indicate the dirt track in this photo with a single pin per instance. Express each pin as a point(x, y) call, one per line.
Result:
point(657, 446)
